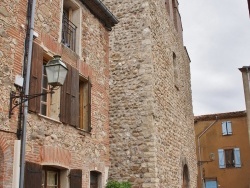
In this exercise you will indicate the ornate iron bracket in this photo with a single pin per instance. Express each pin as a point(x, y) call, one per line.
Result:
point(18, 99)
point(202, 162)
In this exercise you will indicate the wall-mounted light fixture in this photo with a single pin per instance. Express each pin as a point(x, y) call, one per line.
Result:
point(211, 157)
point(56, 72)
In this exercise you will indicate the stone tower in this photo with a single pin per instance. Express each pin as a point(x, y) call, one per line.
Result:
point(151, 117)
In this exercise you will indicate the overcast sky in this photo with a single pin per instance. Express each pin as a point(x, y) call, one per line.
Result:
point(217, 37)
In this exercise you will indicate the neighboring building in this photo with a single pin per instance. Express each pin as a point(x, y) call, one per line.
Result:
point(68, 131)
point(245, 70)
point(151, 117)
point(223, 150)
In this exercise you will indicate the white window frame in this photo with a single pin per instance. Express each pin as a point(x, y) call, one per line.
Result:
point(226, 128)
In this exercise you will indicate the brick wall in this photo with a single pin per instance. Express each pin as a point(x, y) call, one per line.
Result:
point(50, 142)
point(151, 118)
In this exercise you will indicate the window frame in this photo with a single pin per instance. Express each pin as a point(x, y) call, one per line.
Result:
point(73, 19)
point(235, 158)
point(226, 128)
point(210, 180)
point(44, 89)
point(85, 103)
point(45, 171)
point(95, 177)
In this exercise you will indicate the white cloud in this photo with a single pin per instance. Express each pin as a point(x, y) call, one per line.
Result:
point(217, 37)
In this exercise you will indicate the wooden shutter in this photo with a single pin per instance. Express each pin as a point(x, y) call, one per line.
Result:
point(221, 154)
point(224, 128)
point(89, 104)
point(36, 77)
point(33, 175)
point(63, 113)
point(76, 178)
point(237, 160)
point(229, 127)
point(69, 107)
point(74, 120)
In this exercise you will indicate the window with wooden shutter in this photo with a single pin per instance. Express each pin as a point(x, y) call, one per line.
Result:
point(33, 175)
point(69, 109)
point(85, 104)
point(75, 178)
point(36, 77)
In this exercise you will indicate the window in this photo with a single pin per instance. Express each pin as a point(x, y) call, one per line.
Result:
point(47, 105)
point(45, 99)
point(70, 104)
point(71, 25)
point(226, 128)
point(50, 178)
point(38, 176)
point(229, 158)
point(175, 12)
point(95, 179)
point(211, 183)
point(85, 104)
point(175, 64)
point(185, 176)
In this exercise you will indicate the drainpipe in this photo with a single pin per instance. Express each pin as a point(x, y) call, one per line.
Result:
point(26, 72)
point(199, 145)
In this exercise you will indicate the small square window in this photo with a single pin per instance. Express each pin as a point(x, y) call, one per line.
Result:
point(227, 128)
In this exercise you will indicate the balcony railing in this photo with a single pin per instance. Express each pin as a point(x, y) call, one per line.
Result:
point(68, 33)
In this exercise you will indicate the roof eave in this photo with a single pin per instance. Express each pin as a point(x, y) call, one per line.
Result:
point(101, 12)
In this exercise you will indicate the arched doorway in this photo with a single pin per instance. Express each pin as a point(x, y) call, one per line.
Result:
point(185, 177)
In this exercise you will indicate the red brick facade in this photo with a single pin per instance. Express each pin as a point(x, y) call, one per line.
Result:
point(51, 143)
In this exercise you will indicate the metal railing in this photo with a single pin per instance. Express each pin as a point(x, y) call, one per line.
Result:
point(68, 33)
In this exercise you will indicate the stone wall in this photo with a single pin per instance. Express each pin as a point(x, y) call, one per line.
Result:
point(46, 137)
point(151, 118)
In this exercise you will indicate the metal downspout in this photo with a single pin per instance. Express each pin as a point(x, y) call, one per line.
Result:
point(199, 146)
point(26, 92)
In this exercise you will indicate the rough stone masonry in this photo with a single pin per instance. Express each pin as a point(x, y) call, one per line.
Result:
point(151, 117)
